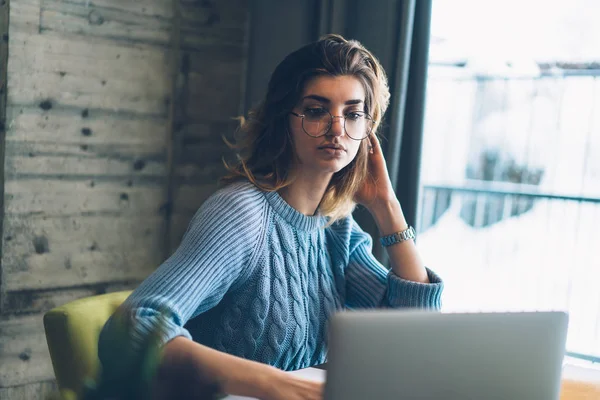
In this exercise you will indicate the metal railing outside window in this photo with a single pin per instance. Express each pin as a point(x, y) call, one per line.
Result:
point(510, 194)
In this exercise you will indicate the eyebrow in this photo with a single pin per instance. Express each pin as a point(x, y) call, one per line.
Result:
point(326, 100)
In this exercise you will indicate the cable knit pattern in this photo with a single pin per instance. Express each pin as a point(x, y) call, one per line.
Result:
point(255, 278)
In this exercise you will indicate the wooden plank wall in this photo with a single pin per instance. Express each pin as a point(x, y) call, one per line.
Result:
point(212, 80)
point(113, 140)
point(4, 14)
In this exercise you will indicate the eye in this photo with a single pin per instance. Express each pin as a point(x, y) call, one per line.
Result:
point(355, 115)
point(315, 112)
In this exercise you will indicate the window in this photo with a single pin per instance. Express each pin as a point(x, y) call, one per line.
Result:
point(510, 176)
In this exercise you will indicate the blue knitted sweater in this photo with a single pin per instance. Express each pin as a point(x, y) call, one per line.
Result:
point(255, 278)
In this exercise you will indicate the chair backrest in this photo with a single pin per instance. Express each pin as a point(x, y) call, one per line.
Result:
point(72, 332)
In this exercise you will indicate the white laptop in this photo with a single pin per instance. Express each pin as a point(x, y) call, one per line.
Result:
point(429, 355)
point(383, 355)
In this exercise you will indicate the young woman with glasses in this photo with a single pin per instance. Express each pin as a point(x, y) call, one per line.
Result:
point(269, 257)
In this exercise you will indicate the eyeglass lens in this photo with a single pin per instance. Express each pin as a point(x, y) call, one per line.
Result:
point(358, 124)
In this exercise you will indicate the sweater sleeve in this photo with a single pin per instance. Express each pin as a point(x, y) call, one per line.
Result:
point(216, 252)
point(370, 284)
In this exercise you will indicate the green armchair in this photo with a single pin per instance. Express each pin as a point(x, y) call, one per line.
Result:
point(72, 332)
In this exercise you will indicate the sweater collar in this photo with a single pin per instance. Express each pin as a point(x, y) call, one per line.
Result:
point(293, 216)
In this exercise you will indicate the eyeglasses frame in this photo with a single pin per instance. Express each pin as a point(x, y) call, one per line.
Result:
point(367, 116)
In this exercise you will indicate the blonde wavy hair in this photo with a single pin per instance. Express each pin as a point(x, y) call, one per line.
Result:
point(262, 144)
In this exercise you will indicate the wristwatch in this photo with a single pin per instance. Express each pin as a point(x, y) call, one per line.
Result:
point(398, 237)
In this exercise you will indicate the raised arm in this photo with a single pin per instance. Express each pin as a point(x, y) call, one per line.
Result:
point(410, 283)
point(370, 285)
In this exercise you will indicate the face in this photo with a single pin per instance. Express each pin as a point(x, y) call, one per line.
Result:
point(328, 154)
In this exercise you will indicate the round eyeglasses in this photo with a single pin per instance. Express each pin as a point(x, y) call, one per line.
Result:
point(317, 122)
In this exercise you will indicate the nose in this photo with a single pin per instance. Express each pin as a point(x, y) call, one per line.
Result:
point(337, 126)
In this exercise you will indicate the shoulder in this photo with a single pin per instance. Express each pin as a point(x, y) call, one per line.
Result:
point(236, 199)
point(230, 208)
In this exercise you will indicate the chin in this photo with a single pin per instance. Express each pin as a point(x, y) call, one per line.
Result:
point(334, 166)
point(324, 165)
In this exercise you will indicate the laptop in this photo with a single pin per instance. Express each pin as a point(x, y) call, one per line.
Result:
point(429, 355)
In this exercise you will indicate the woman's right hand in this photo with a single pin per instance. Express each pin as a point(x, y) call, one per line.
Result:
point(190, 367)
point(285, 386)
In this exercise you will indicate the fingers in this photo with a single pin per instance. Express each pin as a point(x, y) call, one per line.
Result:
point(375, 141)
point(373, 145)
point(370, 145)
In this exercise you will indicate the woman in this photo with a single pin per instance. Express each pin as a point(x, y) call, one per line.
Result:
point(269, 257)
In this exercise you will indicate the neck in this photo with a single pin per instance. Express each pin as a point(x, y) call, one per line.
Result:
point(305, 193)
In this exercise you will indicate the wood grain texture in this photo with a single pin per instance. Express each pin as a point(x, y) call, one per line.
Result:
point(148, 22)
point(187, 200)
point(23, 352)
point(23, 348)
point(208, 98)
point(39, 235)
point(34, 302)
point(189, 197)
point(179, 224)
point(61, 269)
point(580, 383)
point(49, 197)
point(88, 57)
point(222, 23)
point(4, 38)
point(86, 163)
point(32, 391)
point(130, 22)
point(25, 16)
point(77, 72)
point(49, 159)
point(85, 126)
point(210, 95)
point(88, 130)
point(578, 390)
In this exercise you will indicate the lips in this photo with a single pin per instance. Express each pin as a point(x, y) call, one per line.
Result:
point(332, 147)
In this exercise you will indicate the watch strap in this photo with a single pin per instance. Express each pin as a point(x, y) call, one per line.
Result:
point(398, 237)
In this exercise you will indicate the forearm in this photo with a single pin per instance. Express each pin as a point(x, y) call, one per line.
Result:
point(206, 368)
point(404, 257)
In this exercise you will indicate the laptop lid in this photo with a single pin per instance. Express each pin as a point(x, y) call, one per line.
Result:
point(430, 355)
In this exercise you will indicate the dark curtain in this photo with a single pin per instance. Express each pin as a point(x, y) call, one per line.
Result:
point(397, 32)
